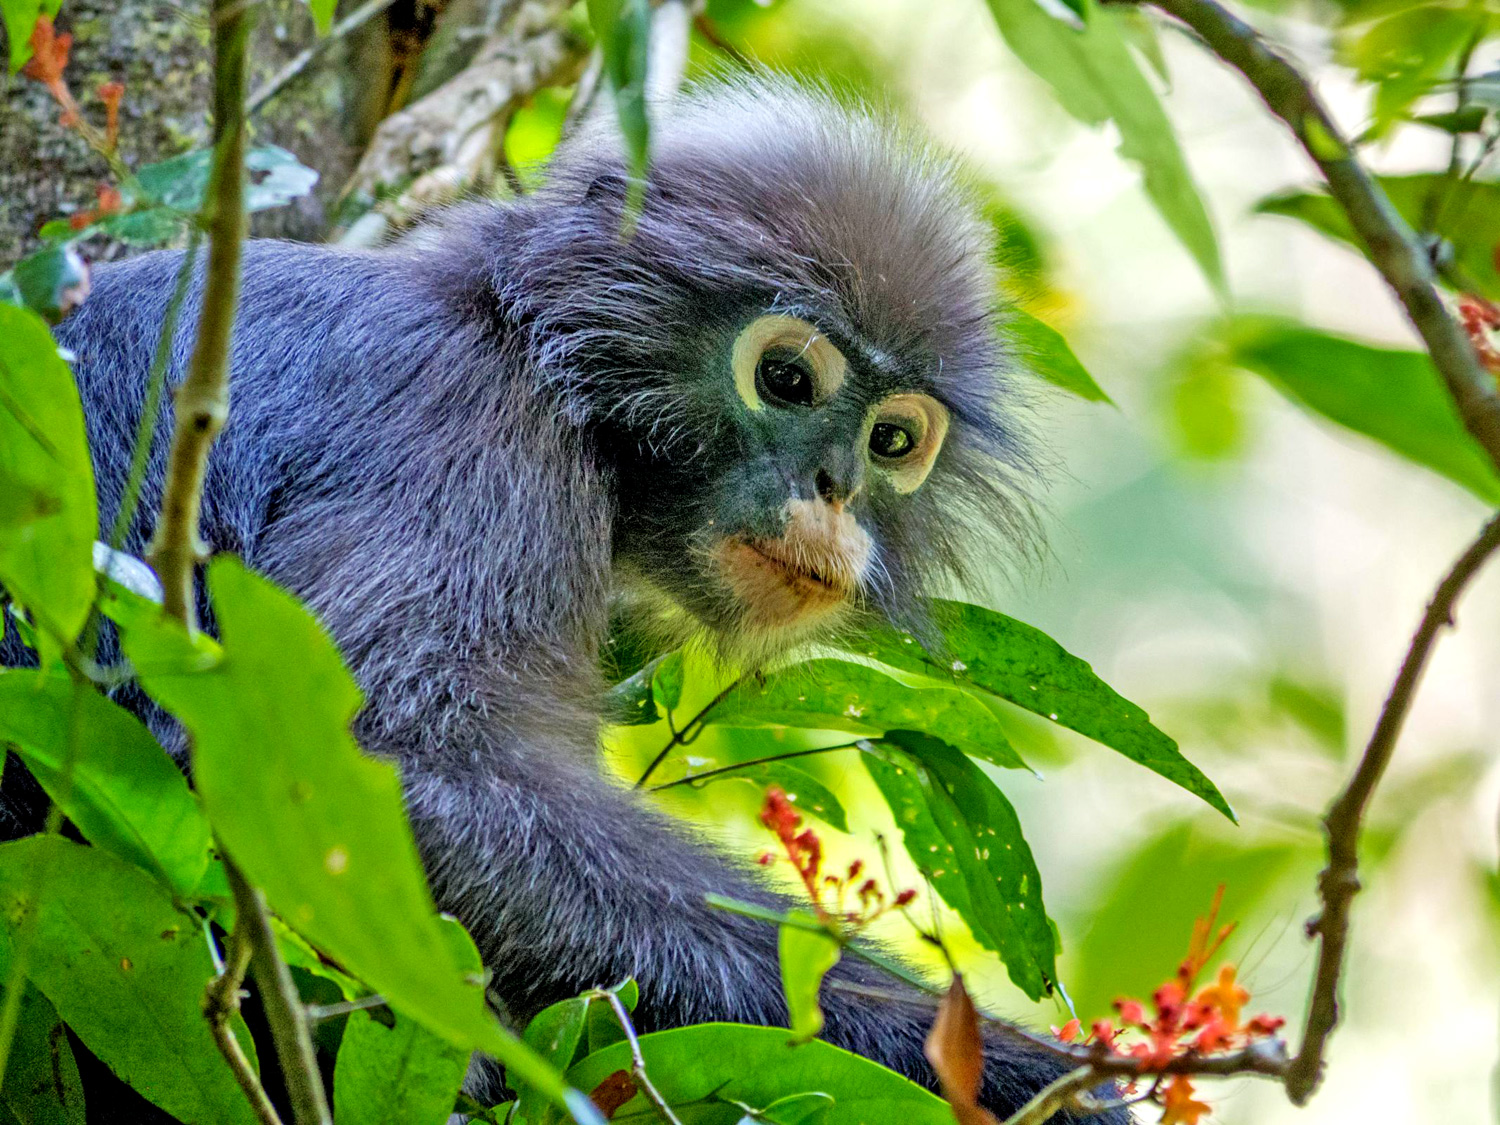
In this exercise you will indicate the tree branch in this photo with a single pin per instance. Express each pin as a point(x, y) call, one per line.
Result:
point(637, 1060)
point(1339, 881)
point(293, 69)
point(1392, 245)
point(221, 1000)
point(283, 1007)
point(202, 402)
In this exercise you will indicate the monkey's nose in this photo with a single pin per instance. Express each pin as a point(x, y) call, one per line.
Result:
point(833, 492)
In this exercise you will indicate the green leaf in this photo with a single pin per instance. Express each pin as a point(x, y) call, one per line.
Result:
point(964, 836)
point(1470, 119)
point(1466, 216)
point(806, 956)
point(796, 1109)
point(839, 695)
point(1047, 356)
point(48, 517)
point(1392, 395)
point(151, 226)
point(1404, 54)
point(402, 1075)
point(601, 1023)
point(631, 703)
point(273, 177)
point(553, 1033)
point(322, 13)
point(315, 823)
point(753, 1066)
point(126, 794)
point(42, 1084)
point(623, 29)
point(1096, 79)
point(666, 681)
point(990, 652)
point(806, 792)
point(51, 281)
point(126, 970)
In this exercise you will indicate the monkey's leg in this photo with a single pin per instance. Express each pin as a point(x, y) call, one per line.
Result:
point(567, 882)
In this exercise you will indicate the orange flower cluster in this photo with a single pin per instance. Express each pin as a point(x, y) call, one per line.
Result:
point(49, 60)
point(804, 850)
point(1185, 1020)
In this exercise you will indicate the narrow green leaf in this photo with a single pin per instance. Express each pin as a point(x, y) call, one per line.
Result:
point(322, 13)
point(48, 517)
point(796, 1109)
point(839, 695)
point(1392, 395)
point(965, 838)
point(1047, 356)
point(990, 652)
point(402, 1075)
point(42, 1084)
point(1096, 79)
point(806, 956)
point(666, 681)
point(126, 794)
point(738, 1065)
point(126, 970)
point(623, 29)
point(313, 821)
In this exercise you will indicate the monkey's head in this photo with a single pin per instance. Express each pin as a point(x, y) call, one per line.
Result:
point(790, 367)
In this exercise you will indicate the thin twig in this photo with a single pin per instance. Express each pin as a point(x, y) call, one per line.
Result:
point(637, 1060)
point(317, 1013)
point(738, 766)
point(687, 733)
point(1392, 246)
point(221, 1000)
point(283, 1007)
point(1055, 1097)
point(1339, 881)
point(289, 73)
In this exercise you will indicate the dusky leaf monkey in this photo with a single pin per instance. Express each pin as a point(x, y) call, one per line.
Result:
point(780, 406)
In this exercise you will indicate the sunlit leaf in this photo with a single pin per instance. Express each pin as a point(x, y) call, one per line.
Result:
point(1390, 394)
point(806, 955)
point(1095, 78)
point(1404, 54)
point(753, 1066)
point(52, 281)
point(48, 517)
point(126, 970)
point(123, 792)
point(322, 13)
point(964, 836)
point(806, 792)
point(990, 652)
point(839, 695)
point(20, 17)
point(1047, 355)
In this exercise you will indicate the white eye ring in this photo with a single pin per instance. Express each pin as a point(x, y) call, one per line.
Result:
point(775, 330)
point(926, 420)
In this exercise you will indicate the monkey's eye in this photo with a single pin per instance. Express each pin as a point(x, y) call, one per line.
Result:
point(786, 361)
point(784, 376)
point(905, 434)
point(890, 440)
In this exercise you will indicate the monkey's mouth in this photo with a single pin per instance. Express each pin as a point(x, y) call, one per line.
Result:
point(778, 585)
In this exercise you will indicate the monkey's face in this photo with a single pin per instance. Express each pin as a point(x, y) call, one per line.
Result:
point(812, 448)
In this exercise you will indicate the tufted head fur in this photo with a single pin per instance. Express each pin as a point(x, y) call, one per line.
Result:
point(766, 197)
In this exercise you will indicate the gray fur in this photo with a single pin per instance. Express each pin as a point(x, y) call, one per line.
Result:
point(451, 447)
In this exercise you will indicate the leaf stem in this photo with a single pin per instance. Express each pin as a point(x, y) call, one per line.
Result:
point(637, 1060)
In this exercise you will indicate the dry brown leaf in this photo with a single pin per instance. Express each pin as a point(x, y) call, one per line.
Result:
point(955, 1048)
point(616, 1089)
